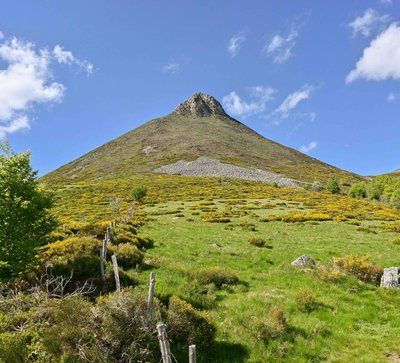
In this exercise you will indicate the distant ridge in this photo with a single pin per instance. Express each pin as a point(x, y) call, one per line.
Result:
point(198, 127)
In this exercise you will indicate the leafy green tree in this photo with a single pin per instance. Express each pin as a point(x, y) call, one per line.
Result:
point(395, 199)
point(25, 220)
point(138, 194)
point(333, 186)
point(358, 190)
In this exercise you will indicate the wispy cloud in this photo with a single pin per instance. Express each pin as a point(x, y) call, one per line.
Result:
point(365, 23)
point(381, 59)
point(292, 100)
point(385, 2)
point(259, 96)
point(281, 45)
point(66, 57)
point(309, 147)
point(172, 68)
point(393, 96)
point(25, 81)
point(235, 43)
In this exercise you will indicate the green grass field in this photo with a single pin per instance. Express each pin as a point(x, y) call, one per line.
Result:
point(276, 312)
point(351, 320)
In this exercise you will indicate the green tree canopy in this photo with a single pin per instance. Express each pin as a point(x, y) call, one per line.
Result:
point(25, 220)
point(333, 186)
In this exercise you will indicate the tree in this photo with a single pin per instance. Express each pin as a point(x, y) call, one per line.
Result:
point(395, 199)
point(25, 220)
point(358, 190)
point(138, 194)
point(333, 186)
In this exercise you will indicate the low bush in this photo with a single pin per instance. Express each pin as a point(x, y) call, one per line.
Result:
point(360, 267)
point(271, 326)
point(218, 276)
point(128, 255)
point(305, 216)
point(358, 190)
point(248, 226)
point(396, 241)
point(257, 241)
point(188, 325)
point(306, 300)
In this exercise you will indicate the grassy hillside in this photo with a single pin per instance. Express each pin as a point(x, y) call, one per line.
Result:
point(274, 313)
point(186, 137)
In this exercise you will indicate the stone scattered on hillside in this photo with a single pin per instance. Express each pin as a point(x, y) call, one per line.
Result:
point(204, 166)
point(200, 105)
point(304, 261)
point(391, 277)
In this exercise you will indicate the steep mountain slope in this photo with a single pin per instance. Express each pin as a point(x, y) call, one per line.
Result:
point(199, 127)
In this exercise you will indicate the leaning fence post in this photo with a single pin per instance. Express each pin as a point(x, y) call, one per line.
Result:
point(116, 272)
point(164, 343)
point(102, 263)
point(150, 298)
point(192, 354)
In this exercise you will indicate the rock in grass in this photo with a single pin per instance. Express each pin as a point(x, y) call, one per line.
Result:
point(391, 277)
point(304, 261)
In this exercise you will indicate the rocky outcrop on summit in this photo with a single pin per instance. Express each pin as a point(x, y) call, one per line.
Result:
point(204, 166)
point(201, 105)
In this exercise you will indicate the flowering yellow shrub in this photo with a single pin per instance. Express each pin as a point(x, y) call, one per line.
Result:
point(305, 216)
point(360, 267)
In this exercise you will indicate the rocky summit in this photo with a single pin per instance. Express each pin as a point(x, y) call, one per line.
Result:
point(200, 105)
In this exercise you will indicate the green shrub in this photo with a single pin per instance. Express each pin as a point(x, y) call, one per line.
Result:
point(188, 325)
point(138, 194)
point(395, 199)
point(128, 255)
point(257, 241)
point(270, 326)
point(396, 241)
point(306, 300)
point(145, 241)
point(218, 276)
point(358, 190)
point(332, 186)
point(360, 267)
point(248, 226)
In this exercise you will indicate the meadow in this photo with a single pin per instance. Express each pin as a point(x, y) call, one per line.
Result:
point(225, 247)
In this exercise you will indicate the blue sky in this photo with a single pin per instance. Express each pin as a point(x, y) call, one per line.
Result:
point(323, 79)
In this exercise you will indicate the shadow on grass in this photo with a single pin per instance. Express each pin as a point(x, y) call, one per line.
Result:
point(221, 352)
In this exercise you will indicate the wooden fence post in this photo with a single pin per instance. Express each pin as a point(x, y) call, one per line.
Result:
point(102, 263)
point(164, 343)
point(116, 272)
point(105, 247)
point(192, 354)
point(150, 298)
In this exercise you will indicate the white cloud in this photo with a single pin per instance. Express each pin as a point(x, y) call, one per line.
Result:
point(1, 36)
point(259, 97)
point(307, 148)
point(235, 43)
point(381, 59)
point(365, 23)
point(171, 68)
point(393, 96)
point(25, 81)
point(63, 56)
point(386, 2)
point(293, 100)
point(280, 47)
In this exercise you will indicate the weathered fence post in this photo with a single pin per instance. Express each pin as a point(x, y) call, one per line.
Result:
point(192, 354)
point(102, 263)
point(164, 343)
point(116, 272)
point(150, 298)
point(105, 240)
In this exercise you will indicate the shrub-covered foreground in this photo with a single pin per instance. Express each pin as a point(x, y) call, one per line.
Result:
point(112, 328)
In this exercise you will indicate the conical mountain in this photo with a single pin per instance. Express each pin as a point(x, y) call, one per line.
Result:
point(198, 127)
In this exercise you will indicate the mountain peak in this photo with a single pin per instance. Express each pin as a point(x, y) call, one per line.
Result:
point(201, 105)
